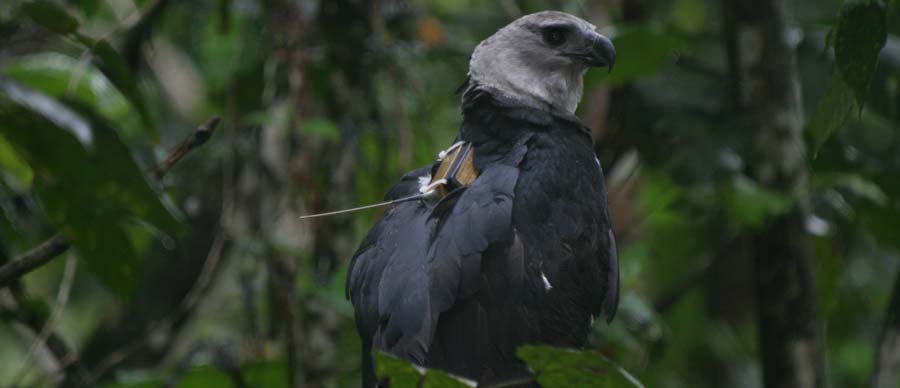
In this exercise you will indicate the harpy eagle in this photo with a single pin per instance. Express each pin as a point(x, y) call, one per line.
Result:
point(522, 254)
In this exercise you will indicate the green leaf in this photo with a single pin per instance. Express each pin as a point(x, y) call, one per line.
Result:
point(60, 76)
point(108, 60)
point(750, 204)
point(559, 367)
point(105, 57)
point(85, 180)
point(860, 33)
point(50, 16)
point(404, 375)
point(641, 50)
point(89, 8)
point(832, 112)
point(14, 171)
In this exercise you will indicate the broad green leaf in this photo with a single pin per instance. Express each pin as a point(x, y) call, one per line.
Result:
point(750, 205)
point(14, 171)
point(860, 33)
point(641, 50)
point(60, 76)
point(85, 180)
point(50, 16)
point(404, 375)
point(104, 56)
point(832, 112)
point(559, 368)
point(111, 63)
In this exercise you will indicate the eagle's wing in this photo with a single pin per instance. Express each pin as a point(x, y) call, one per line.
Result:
point(390, 234)
point(418, 260)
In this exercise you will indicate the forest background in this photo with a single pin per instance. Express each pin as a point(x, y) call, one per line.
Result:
point(155, 157)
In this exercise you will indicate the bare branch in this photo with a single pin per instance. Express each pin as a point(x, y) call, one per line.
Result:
point(69, 363)
point(31, 260)
point(196, 139)
point(62, 298)
point(187, 304)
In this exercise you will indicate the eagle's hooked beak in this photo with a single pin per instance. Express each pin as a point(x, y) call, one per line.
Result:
point(602, 52)
point(598, 52)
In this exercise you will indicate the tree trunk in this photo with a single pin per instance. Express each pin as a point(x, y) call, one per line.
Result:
point(887, 357)
point(766, 94)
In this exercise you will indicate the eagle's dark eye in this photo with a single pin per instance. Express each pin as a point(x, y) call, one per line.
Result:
point(554, 36)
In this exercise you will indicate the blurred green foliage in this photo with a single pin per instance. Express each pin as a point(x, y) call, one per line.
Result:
point(322, 111)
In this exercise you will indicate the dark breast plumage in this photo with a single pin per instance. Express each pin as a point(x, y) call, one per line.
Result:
point(523, 255)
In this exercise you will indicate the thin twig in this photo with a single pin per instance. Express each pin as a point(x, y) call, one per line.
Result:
point(187, 304)
point(33, 259)
point(62, 298)
point(196, 139)
point(68, 361)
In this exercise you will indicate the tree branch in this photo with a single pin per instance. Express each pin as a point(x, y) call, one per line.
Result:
point(768, 99)
point(62, 298)
point(29, 316)
point(187, 304)
point(31, 260)
point(196, 139)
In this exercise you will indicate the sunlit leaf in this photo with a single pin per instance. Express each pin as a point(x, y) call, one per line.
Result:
point(832, 112)
point(104, 56)
point(860, 33)
point(14, 171)
point(404, 375)
point(561, 368)
point(111, 63)
point(61, 76)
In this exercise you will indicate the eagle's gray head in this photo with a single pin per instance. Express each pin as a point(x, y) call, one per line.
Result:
point(539, 59)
